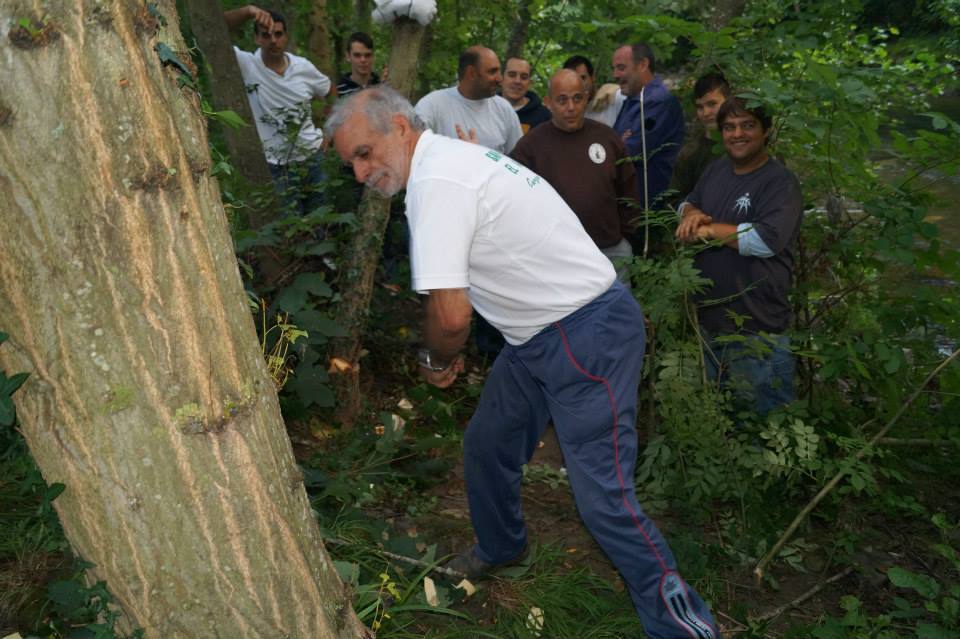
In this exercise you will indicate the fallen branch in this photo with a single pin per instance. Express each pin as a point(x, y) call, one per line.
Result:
point(776, 612)
point(792, 528)
point(897, 441)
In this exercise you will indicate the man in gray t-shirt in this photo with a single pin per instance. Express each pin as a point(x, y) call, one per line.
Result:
point(472, 109)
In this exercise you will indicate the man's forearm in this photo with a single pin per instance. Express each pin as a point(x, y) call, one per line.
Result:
point(235, 18)
point(446, 324)
point(726, 233)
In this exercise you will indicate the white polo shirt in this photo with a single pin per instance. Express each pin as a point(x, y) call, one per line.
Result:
point(494, 120)
point(480, 221)
point(281, 105)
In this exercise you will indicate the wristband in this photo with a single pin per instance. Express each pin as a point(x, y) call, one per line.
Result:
point(424, 361)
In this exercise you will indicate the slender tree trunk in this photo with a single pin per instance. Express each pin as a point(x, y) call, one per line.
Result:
point(228, 92)
point(362, 10)
point(724, 11)
point(363, 253)
point(518, 32)
point(148, 396)
point(318, 44)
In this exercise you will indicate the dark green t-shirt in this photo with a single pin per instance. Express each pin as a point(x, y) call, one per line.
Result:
point(693, 160)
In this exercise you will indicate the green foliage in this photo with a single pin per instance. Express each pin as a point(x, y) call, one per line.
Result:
point(77, 611)
point(933, 614)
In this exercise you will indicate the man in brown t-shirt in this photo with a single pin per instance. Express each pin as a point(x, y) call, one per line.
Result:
point(581, 159)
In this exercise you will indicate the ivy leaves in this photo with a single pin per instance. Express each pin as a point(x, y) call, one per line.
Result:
point(8, 386)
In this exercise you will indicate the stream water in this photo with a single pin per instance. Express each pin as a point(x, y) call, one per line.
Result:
point(945, 186)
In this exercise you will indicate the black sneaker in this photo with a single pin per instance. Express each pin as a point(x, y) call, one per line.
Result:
point(472, 567)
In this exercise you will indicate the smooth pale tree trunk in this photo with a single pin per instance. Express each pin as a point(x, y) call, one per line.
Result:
point(363, 252)
point(148, 397)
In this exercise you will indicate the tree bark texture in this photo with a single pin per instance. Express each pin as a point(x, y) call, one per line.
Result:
point(363, 20)
point(228, 92)
point(724, 11)
point(519, 32)
point(148, 395)
point(363, 252)
point(318, 44)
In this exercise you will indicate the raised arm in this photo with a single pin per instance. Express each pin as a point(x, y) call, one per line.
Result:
point(236, 18)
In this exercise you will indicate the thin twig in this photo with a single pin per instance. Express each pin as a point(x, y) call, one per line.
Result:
point(776, 612)
point(914, 441)
point(410, 560)
point(792, 528)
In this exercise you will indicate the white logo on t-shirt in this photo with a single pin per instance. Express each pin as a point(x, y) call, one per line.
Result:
point(597, 153)
point(742, 205)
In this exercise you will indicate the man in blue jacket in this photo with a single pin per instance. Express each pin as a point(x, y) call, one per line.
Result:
point(650, 122)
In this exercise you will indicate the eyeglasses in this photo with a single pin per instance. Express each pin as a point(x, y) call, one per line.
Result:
point(746, 126)
point(576, 98)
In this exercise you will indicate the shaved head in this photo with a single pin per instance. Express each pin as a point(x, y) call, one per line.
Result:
point(478, 72)
point(567, 100)
point(566, 80)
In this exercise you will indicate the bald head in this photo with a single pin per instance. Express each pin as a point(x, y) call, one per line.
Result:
point(566, 80)
point(478, 72)
point(567, 100)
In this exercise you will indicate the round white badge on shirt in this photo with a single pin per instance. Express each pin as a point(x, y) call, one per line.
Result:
point(597, 153)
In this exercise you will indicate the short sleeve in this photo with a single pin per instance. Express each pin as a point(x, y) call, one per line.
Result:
point(424, 111)
point(245, 61)
point(779, 212)
point(443, 219)
point(319, 84)
point(513, 131)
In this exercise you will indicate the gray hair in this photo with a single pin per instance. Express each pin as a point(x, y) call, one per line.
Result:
point(379, 104)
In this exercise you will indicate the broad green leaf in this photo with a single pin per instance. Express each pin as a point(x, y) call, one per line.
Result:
point(926, 586)
point(228, 117)
point(13, 383)
point(167, 56)
point(8, 413)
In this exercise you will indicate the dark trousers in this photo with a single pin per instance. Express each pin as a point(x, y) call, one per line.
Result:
point(582, 372)
point(299, 184)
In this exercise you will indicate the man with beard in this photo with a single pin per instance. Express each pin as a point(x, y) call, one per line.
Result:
point(487, 233)
point(471, 108)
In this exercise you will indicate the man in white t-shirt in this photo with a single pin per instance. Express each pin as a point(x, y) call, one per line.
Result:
point(280, 87)
point(472, 109)
point(489, 234)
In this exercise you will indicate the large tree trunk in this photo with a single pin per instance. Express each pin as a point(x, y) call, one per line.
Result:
point(363, 253)
point(148, 396)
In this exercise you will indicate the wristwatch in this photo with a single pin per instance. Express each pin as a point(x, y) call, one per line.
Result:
point(424, 361)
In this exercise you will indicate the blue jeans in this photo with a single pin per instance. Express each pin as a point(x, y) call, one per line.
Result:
point(582, 372)
point(299, 184)
point(758, 369)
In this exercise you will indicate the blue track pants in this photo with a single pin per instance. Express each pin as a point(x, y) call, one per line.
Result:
point(582, 372)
